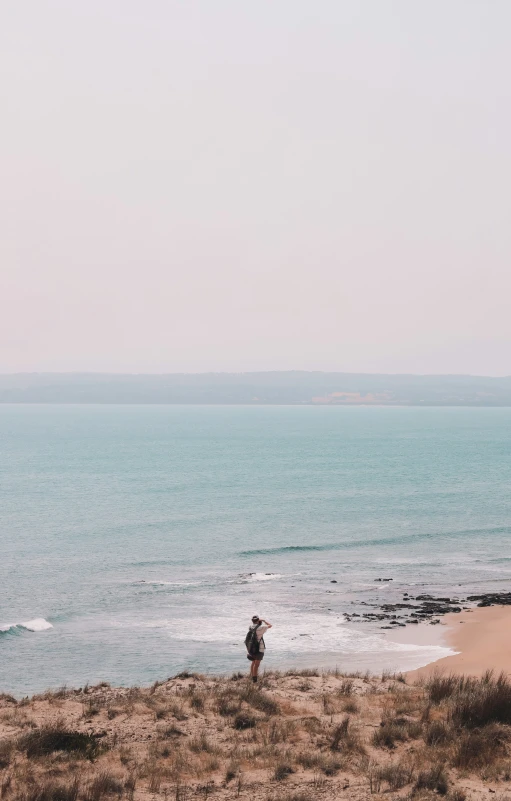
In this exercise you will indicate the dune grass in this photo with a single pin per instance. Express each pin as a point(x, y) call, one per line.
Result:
point(305, 734)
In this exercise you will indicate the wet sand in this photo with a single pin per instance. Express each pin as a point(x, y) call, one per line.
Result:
point(481, 638)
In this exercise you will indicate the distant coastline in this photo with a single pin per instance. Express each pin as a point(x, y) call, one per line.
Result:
point(257, 389)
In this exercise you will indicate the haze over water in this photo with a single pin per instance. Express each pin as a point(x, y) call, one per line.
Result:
point(136, 541)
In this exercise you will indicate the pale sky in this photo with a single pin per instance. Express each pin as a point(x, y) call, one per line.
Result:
point(237, 185)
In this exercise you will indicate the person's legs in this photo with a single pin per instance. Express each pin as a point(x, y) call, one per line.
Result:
point(255, 665)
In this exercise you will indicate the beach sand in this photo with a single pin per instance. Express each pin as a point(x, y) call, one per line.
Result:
point(481, 637)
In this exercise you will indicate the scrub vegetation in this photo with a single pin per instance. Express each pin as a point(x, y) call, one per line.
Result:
point(294, 736)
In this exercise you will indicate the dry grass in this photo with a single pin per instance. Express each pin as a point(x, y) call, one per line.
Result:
point(474, 702)
point(292, 737)
point(244, 721)
point(346, 686)
point(396, 729)
point(52, 791)
point(346, 739)
point(394, 774)
point(102, 785)
point(49, 739)
point(480, 747)
point(6, 750)
point(483, 701)
point(434, 778)
point(325, 763)
point(282, 771)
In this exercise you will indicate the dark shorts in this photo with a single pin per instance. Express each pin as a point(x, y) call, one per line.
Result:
point(257, 657)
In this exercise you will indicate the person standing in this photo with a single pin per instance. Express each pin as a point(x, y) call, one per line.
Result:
point(255, 644)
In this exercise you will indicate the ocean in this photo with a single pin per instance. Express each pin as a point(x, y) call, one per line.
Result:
point(137, 541)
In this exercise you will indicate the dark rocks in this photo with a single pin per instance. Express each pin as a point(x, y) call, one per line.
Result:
point(426, 609)
point(437, 600)
point(492, 598)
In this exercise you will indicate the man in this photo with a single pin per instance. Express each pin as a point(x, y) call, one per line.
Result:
point(255, 644)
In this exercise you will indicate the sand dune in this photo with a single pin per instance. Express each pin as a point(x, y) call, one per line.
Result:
point(293, 737)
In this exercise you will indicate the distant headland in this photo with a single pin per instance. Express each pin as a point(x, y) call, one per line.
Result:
point(293, 387)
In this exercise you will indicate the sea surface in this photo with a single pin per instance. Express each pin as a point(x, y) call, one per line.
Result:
point(137, 541)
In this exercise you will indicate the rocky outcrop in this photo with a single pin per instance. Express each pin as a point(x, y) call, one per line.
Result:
point(423, 608)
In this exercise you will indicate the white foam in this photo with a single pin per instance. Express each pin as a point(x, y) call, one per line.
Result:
point(261, 576)
point(38, 624)
point(309, 635)
point(170, 583)
point(164, 623)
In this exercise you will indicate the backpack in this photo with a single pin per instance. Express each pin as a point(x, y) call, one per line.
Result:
point(251, 641)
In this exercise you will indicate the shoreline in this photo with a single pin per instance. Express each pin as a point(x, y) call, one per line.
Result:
point(480, 638)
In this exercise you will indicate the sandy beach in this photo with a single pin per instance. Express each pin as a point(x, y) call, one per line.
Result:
point(480, 637)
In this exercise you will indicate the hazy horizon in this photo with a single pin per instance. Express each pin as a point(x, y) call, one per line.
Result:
point(230, 187)
point(242, 372)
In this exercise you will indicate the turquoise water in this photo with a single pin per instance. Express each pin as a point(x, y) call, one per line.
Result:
point(136, 541)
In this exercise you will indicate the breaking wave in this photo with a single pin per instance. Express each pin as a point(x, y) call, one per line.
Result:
point(37, 624)
point(400, 539)
point(292, 548)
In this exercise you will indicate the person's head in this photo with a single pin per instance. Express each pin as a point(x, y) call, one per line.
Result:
point(256, 619)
